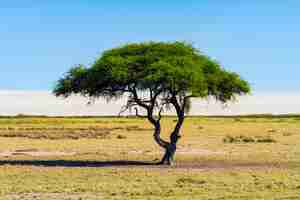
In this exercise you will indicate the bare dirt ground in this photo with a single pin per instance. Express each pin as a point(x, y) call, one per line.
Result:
point(34, 152)
point(121, 164)
point(39, 153)
point(185, 151)
point(206, 165)
point(221, 165)
point(48, 196)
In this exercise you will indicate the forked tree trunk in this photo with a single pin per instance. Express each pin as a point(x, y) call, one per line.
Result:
point(168, 157)
point(169, 147)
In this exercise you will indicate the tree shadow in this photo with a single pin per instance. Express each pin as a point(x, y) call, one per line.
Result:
point(204, 165)
point(72, 163)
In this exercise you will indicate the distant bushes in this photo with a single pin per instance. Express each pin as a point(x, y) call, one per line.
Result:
point(121, 137)
point(248, 139)
point(190, 181)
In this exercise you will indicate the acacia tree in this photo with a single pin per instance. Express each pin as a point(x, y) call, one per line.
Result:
point(155, 76)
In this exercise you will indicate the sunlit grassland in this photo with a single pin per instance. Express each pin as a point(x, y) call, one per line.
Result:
point(209, 168)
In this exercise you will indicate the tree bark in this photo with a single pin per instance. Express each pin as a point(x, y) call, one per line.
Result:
point(168, 157)
point(170, 148)
point(157, 137)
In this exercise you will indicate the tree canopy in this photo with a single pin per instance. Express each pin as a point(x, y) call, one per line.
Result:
point(175, 68)
point(155, 75)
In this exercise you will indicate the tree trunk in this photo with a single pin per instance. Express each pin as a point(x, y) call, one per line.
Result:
point(157, 137)
point(170, 149)
point(169, 155)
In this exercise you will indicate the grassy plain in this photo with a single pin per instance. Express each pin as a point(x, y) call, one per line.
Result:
point(103, 158)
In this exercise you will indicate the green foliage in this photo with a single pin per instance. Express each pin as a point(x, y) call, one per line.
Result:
point(164, 68)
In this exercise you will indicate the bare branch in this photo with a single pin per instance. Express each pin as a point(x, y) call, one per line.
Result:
point(137, 113)
point(159, 114)
point(137, 99)
point(123, 109)
point(151, 93)
point(185, 101)
point(126, 107)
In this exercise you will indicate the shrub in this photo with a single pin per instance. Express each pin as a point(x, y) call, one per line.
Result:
point(190, 181)
point(266, 139)
point(121, 137)
point(247, 139)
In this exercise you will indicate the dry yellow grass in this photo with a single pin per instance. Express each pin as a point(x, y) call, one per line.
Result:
point(207, 167)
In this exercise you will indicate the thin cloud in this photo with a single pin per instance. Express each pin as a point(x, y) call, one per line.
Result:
point(44, 103)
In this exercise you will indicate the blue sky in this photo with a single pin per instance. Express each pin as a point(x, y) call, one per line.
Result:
point(40, 40)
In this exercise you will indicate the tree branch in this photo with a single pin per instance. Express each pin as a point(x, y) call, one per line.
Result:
point(137, 113)
point(137, 99)
point(159, 114)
